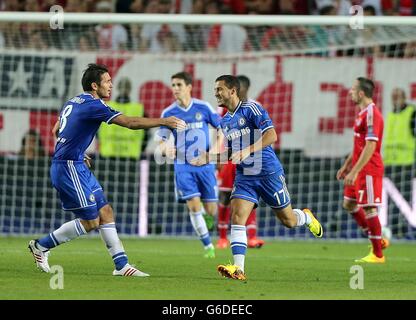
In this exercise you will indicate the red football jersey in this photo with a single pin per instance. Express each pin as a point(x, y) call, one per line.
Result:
point(369, 125)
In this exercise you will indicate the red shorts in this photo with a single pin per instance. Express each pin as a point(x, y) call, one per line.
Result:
point(226, 177)
point(367, 191)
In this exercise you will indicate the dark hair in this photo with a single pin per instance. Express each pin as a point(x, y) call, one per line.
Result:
point(371, 9)
point(92, 74)
point(124, 84)
point(39, 149)
point(244, 81)
point(367, 86)
point(326, 10)
point(185, 76)
point(230, 82)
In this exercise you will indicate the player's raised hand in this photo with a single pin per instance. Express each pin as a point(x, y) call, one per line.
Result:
point(175, 123)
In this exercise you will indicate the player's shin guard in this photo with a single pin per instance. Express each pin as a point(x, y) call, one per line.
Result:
point(68, 231)
point(113, 243)
point(238, 243)
point(374, 233)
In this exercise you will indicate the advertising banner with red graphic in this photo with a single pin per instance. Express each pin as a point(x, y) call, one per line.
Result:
point(307, 97)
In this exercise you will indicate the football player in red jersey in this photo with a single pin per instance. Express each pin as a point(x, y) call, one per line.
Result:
point(363, 169)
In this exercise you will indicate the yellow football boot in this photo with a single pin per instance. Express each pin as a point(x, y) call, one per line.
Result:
point(315, 227)
point(231, 271)
point(371, 258)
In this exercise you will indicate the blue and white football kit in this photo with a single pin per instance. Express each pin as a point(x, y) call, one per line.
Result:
point(78, 189)
point(261, 174)
point(192, 181)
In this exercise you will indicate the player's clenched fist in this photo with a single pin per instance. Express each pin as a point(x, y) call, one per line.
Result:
point(175, 123)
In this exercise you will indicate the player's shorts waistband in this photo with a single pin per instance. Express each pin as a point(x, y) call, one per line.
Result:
point(66, 161)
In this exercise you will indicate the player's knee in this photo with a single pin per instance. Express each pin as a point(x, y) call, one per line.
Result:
point(238, 218)
point(106, 214)
point(211, 208)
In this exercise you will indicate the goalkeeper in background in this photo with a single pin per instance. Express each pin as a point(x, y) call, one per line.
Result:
point(79, 190)
point(226, 177)
point(197, 186)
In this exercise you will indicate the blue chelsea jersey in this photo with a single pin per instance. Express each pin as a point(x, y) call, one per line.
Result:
point(195, 138)
point(79, 121)
point(243, 128)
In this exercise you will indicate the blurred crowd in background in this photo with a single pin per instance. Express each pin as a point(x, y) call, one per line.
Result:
point(340, 7)
point(163, 38)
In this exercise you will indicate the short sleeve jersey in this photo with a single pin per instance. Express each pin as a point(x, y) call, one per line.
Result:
point(369, 125)
point(244, 127)
point(79, 121)
point(195, 139)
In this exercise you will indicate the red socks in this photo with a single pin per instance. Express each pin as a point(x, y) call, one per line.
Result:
point(224, 214)
point(374, 234)
point(251, 225)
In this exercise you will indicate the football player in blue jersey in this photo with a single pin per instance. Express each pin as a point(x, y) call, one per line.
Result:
point(78, 189)
point(195, 185)
point(250, 135)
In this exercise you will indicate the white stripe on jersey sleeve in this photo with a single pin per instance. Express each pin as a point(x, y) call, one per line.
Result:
point(370, 116)
point(267, 128)
point(117, 114)
point(254, 105)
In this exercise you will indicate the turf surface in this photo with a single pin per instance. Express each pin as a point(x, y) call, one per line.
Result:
point(280, 270)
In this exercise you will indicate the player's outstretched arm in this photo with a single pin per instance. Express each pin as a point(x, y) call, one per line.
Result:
point(206, 157)
point(136, 123)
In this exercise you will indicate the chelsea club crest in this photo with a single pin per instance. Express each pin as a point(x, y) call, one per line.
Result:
point(198, 116)
point(241, 122)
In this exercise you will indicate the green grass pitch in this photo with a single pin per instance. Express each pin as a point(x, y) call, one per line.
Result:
point(280, 270)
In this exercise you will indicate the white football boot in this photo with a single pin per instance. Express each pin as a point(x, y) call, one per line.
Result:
point(129, 271)
point(41, 258)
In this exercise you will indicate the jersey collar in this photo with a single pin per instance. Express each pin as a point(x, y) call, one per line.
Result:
point(88, 94)
point(187, 108)
point(366, 108)
point(236, 109)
